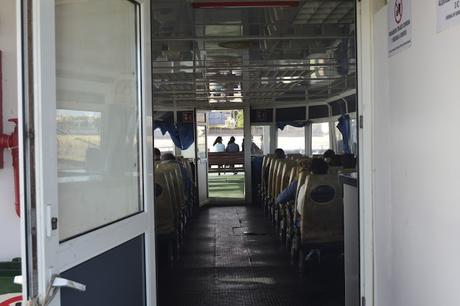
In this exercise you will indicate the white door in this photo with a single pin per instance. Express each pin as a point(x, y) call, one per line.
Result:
point(90, 64)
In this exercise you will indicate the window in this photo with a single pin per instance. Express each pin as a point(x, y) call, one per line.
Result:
point(320, 137)
point(163, 142)
point(292, 140)
point(189, 153)
point(260, 139)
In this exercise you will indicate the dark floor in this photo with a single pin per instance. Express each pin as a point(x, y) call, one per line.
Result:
point(221, 265)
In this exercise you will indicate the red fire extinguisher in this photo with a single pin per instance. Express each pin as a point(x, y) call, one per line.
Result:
point(11, 142)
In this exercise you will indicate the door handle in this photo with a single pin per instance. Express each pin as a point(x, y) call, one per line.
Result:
point(60, 282)
point(56, 283)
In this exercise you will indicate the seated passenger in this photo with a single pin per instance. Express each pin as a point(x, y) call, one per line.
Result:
point(168, 157)
point(232, 146)
point(288, 194)
point(156, 154)
point(318, 166)
point(279, 154)
point(218, 145)
point(329, 156)
point(348, 161)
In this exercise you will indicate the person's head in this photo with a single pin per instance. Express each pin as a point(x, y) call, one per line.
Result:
point(218, 140)
point(348, 161)
point(279, 154)
point(232, 140)
point(329, 156)
point(168, 156)
point(156, 154)
point(318, 166)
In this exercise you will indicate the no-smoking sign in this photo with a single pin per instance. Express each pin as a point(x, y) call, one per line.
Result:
point(399, 25)
point(398, 11)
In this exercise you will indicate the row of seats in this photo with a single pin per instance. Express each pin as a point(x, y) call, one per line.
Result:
point(314, 219)
point(174, 206)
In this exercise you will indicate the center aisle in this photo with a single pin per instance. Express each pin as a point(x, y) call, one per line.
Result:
point(231, 257)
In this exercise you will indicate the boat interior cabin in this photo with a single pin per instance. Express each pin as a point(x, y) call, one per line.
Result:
point(255, 134)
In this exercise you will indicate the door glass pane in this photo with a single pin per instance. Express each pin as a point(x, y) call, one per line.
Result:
point(292, 139)
point(320, 137)
point(98, 114)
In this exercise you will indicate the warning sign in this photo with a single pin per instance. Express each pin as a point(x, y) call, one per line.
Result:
point(448, 13)
point(399, 25)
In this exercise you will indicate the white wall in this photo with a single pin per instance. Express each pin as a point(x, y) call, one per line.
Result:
point(416, 169)
point(9, 222)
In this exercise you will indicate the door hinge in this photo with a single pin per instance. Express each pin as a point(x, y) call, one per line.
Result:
point(363, 301)
point(361, 119)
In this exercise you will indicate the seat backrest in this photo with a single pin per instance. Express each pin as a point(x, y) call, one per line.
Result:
point(322, 211)
point(264, 171)
point(280, 176)
point(334, 170)
point(292, 169)
point(165, 216)
point(174, 183)
point(272, 176)
point(301, 177)
point(347, 170)
point(180, 188)
point(276, 177)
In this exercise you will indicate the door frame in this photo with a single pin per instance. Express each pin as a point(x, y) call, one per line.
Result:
point(365, 112)
point(247, 150)
point(198, 158)
point(35, 22)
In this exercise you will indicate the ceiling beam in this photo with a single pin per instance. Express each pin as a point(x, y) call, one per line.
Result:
point(254, 37)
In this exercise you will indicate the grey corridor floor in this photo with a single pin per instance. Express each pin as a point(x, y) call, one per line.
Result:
point(220, 265)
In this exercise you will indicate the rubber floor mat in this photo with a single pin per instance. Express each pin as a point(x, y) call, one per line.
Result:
point(220, 265)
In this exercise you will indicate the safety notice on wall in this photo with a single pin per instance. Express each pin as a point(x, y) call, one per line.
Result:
point(399, 26)
point(448, 13)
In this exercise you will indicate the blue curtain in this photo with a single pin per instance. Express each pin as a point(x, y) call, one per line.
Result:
point(186, 135)
point(182, 134)
point(282, 124)
point(344, 127)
